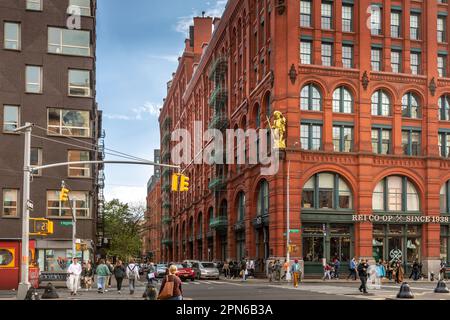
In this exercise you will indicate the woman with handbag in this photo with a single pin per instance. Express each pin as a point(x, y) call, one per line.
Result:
point(171, 286)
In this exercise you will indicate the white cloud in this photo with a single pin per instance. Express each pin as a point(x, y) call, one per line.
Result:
point(138, 113)
point(126, 194)
point(214, 10)
point(168, 58)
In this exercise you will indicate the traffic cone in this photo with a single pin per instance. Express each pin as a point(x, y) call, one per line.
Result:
point(405, 292)
point(50, 292)
point(441, 287)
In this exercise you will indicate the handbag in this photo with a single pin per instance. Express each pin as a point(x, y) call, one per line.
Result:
point(167, 290)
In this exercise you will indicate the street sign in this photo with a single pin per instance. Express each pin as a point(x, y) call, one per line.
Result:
point(30, 205)
point(295, 231)
point(66, 223)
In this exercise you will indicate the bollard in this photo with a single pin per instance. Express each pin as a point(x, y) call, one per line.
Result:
point(441, 287)
point(405, 292)
point(50, 292)
point(32, 294)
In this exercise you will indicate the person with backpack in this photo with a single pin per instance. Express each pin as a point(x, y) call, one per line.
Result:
point(171, 286)
point(132, 275)
point(362, 272)
point(111, 270)
point(102, 272)
point(119, 273)
point(296, 273)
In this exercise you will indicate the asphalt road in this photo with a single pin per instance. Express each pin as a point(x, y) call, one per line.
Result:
point(263, 291)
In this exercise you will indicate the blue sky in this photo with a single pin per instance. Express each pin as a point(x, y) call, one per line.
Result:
point(138, 45)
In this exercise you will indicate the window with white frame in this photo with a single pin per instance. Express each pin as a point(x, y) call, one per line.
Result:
point(395, 24)
point(12, 36)
point(396, 61)
point(62, 209)
point(347, 18)
point(70, 42)
point(11, 118)
point(33, 78)
point(79, 83)
point(84, 7)
point(442, 65)
point(347, 56)
point(306, 52)
point(342, 100)
point(305, 13)
point(79, 170)
point(68, 123)
point(311, 136)
point(10, 203)
point(415, 63)
point(327, 54)
point(414, 26)
point(35, 5)
point(441, 24)
point(376, 59)
point(310, 98)
point(327, 14)
point(375, 20)
point(381, 104)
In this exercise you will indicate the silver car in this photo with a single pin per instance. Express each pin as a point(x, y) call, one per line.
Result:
point(161, 270)
point(208, 270)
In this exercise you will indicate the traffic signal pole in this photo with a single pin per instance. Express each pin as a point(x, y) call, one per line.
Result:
point(24, 284)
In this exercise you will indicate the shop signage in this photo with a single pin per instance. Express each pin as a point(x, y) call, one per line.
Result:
point(400, 219)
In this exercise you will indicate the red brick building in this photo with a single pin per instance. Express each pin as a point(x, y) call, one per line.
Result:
point(364, 88)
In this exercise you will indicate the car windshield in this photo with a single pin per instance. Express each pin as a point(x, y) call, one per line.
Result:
point(208, 265)
point(180, 266)
point(161, 266)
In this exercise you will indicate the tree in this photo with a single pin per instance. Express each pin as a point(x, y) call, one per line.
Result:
point(124, 225)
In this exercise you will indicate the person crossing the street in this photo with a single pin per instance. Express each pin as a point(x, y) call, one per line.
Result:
point(132, 275)
point(74, 272)
point(352, 269)
point(362, 272)
point(296, 273)
point(102, 272)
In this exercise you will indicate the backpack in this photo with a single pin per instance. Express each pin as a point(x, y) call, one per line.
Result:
point(133, 275)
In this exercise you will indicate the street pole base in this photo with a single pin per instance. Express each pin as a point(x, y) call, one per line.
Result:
point(22, 290)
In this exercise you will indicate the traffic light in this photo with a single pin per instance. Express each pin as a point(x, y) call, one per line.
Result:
point(175, 182)
point(41, 227)
point(64, 194)
point(180, 183)
point(184, 184)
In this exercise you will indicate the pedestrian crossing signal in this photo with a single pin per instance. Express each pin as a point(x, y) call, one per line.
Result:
point(64, 194)
point(180, 183)
point(41, 227)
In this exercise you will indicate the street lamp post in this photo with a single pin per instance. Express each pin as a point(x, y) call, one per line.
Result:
point(288, 222)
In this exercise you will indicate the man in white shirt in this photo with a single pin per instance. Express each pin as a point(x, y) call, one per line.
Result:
point(74, 272)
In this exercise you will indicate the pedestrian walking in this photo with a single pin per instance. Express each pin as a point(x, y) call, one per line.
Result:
point(399, 272)
point(74, 272)
point(171, 292)
point(87, 274)
point(443, 271)
point(389, 270)
point(362, 273)
point(119, 273)
point(296, 273)
point(132, 275)
point(278, 270)
point(226, 270)
point(326, 272)
point(251, 268)
point(352, 269)
point(285, 269)
point(151, 273)
point(414, 271)
point(270, 270)
point(337, 265)
point(244, 271)
point(102, 272)
point(111, 269)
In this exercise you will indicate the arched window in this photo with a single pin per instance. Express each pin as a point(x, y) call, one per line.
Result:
point(397, 194)
point(444, 107)
point(268, 103)
point(445, 198)
point(381, 104)
point(327, 191)
point(223, 209)
point(210, 215)
point(342, 101)
point(240, 206)
point(200, 225)
point(258, 116)
point(410, 106)
point(262, 205)
point(310, 98)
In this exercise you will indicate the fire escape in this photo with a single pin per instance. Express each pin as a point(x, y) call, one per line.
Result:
point(166, 185)
point(218, 102)
point(101, 239)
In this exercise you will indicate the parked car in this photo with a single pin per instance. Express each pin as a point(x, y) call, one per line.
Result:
point(185, 271)
point(206, 270)
point(161, 270)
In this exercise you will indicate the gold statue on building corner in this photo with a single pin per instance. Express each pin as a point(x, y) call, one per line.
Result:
point(279, 130)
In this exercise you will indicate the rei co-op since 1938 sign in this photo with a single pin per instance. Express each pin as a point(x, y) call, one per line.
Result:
point(400, 219)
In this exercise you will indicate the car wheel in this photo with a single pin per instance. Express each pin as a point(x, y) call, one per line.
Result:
point(192, 279)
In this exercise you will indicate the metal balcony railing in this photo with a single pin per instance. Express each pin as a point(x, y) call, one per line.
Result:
point(166, 138)
point(217, 184)
point(220, 222)
point(167, 242)
point(219, 122)
point(167, 187)
point(167, 123)
point(218, 68)
point(166, 219)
